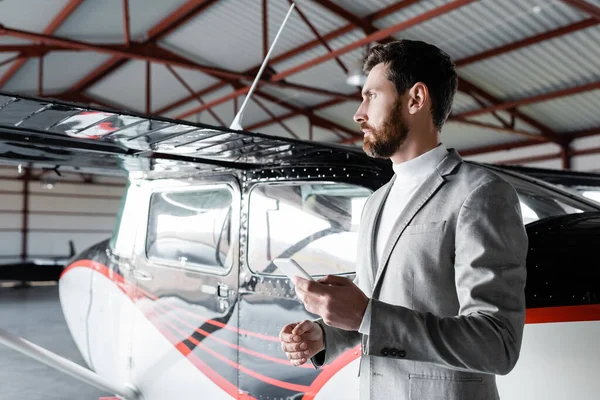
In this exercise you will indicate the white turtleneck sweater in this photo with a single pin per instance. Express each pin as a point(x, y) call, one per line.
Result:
point(409, 176)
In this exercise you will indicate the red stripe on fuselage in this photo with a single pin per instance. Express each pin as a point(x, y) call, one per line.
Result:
point(226, 343)
point(269, 380)
point(588, 312)
point(183, 349)
point(223, 383)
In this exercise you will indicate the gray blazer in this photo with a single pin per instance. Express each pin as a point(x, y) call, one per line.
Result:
point(448, 302)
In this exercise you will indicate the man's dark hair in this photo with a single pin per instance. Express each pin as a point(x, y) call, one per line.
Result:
point(410, 62)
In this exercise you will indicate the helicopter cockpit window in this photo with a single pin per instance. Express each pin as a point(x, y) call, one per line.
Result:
point(315, 224)
point(191, 228)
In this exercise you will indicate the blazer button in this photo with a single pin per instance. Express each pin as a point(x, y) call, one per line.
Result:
point(385, 352)
point(394, 352)
point(401, 354)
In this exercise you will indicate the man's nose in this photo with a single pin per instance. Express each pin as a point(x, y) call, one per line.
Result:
point(360, 116)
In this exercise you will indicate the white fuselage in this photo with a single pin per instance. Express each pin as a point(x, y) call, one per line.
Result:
point(121, 340)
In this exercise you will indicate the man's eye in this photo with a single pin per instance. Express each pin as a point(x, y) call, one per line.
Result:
point(371, 95)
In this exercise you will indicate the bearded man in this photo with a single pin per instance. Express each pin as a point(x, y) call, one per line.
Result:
point(438, 302)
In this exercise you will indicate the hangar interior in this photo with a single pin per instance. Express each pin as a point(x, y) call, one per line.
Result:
point(528, 95)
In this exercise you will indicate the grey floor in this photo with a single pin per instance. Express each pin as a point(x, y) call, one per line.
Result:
point(34, 313)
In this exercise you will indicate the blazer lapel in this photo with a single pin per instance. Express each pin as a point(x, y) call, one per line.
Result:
point(371, 219)
point(421, 196)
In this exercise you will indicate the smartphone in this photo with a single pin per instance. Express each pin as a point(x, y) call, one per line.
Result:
point(291, 268)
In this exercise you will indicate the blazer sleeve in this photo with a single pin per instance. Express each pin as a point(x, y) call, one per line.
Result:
point(336, 341)
point(490, 254)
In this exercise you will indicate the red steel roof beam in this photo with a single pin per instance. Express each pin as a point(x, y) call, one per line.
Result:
point(584, 6)
point(300, 49)
point(27, 50)
point(565, 155)
point(532, 159)
point(126, 22)
point(582, 134)
point(317, 120)
point(532, 100)
point(292, 114)
point(34, 50)
point(132, 54)
point(189, 89)
point(41, 76)
point(348, 16)
point(584, 152)
point(9, 60)
point(587, 23)
point(510, 125)
point(62, 16)
point(148, 87)
point(275, 118)
point(470, 88)
point(345, 29)
point(380, 34)
point(527, 143)
point(187, 11)
point(245, 89)
point(373, 37)
point(459, 63)
point(534, 136)
point(319, 37)
point(498, 147)
point(184, 13)
point(265, 21)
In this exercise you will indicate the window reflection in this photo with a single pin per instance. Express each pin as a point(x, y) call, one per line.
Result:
point(535, 207)
point(191, 227)
point(315, 224)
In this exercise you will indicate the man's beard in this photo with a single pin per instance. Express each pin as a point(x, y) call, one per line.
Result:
point(385, 141)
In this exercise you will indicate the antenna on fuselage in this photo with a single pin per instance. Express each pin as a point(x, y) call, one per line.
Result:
point(236, 124)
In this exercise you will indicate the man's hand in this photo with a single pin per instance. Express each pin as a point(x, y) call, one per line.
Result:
point(337, 300)
point(301, 340)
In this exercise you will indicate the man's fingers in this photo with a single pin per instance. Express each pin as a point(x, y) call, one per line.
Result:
point(302, 327)
point(298, 355)
point(315, 334)
point(335, 280)
point(297, 363)
point(293, 347)
point(304, 285)
point(286, 332)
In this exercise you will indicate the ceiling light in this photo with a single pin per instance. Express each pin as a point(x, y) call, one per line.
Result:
point(356, 76)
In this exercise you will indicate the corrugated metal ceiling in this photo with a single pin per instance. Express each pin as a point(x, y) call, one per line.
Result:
point(18, 14)
point(228, 35)
point(483, 25)
point(556, 64)
point(364, 8)
point(573, 113)
point(61, 71)
point(102, 21)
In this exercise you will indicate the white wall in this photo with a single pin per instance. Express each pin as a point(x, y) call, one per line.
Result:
point(72, 210)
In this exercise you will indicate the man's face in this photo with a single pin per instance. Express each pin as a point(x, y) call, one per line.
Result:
point(380, 115)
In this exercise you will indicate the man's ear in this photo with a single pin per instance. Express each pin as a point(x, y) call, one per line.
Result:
point(418, 96)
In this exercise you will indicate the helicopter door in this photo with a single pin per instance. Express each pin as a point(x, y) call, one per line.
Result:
point(186, 274)
point(316, 224)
